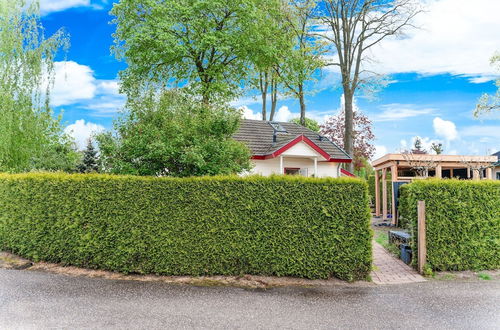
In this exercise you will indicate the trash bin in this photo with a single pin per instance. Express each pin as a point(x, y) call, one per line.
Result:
point(405, 253)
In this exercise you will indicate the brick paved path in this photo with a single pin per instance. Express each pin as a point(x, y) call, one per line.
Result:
point(390, 270)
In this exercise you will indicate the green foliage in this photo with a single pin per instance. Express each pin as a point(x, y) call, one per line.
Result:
point(462, 222)
point(310, 123)
point(89, 162)
point(284, 225)
point(208, 45)
point(175, 136)
point(30, 138)
point(490, 103)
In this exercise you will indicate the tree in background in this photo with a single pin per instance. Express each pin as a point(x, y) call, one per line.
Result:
point(30, 137)
point(206, 46)
point(275, 45)
point(310, 123)
point(437, 147)
point(490, 103)
point(334, 129)
point(305, 59)
point(90, 160)
point(355, 26)
point(174, 135)
point(417, 146)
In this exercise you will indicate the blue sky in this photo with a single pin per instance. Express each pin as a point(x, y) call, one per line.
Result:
point(437, 73)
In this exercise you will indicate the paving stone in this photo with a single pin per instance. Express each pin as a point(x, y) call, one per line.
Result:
point(390, 270)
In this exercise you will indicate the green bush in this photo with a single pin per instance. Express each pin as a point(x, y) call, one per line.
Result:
point(284, 226)
point(462, 222)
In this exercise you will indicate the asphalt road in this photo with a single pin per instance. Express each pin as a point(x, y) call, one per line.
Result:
point(30, 299)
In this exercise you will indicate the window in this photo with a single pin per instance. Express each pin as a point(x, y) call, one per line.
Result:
point(498, 175)
point(277, 127)
point(295, 171)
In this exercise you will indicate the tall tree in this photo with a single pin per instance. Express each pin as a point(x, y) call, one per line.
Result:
point(306, 57)
point(30, 137)
point(276, 41)
point(334, 129)
point(90, 160)
point(174, 135)
point(437, 147)
point(490, 103)
point(204, 45)
point(355, 26)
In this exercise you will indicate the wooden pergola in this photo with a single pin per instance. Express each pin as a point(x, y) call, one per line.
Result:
point(405, 167)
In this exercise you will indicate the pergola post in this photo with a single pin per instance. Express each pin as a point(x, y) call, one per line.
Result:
point(377, 193)
point(282, 171)
point(439, 172)
point(475, 174)
point(384, 193)
point(489, 173)
point(394, 178)
point(315, 167)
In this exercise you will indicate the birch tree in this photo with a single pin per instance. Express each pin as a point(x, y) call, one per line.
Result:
point(30, 137)
point(353, 28)
point(490, 103)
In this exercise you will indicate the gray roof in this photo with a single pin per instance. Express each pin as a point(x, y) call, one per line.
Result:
point(498, 157)
point(258, 136)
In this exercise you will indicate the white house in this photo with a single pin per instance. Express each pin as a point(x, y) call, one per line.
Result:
point(288, 148)
point(496, 168)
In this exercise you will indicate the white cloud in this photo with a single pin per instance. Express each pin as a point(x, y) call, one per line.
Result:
point(47, 6)
point(445, 129)
point(380, 151)
point(395, 111)
point(283, 114)
point(248, 113)
point(81, 131)
point(454, 36)
point(73, 82)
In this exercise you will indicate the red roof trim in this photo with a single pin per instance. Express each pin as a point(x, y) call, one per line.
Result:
point(302, 138)
point(346, 172)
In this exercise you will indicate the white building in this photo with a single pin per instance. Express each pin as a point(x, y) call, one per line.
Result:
point(288, 148)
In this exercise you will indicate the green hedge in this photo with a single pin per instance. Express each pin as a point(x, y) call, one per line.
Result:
point(462, 222)
point(284, 226)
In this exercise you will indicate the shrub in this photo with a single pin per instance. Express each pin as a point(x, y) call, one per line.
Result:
point(284, 226)
point(462, 222)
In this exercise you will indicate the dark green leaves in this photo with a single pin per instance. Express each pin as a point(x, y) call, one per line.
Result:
point(285, 226)
point(463, 222)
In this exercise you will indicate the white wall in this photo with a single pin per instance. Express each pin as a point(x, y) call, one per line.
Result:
point(272, 166)
point(495, 171)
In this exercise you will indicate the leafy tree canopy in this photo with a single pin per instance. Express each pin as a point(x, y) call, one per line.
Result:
point(204, 45)
point(174, 135)
point(334, 128)
point(310, 123)
point(30, 137)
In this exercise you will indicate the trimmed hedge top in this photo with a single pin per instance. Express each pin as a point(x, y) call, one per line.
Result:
point(283, 225)
point(462, 222)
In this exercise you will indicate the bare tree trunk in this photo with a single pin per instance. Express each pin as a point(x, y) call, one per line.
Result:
point(274, 97)
point(264, 83)
point(349, 128)
point(302, 105)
